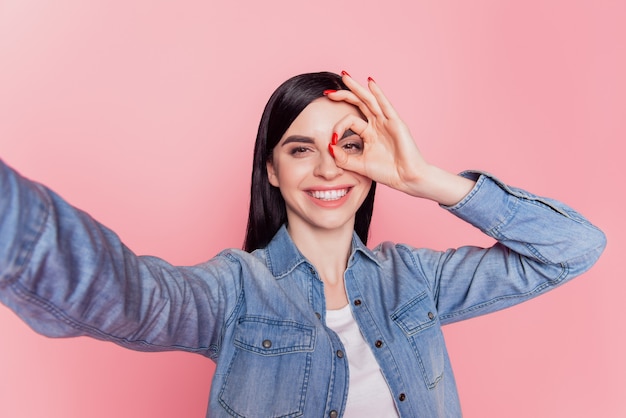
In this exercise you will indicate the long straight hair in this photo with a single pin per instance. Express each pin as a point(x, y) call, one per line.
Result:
point(268, 211)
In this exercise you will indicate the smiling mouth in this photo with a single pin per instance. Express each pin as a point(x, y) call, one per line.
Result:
point(328, 195)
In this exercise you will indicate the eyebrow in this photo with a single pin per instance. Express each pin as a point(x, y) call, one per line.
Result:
point(298, 138)
point(308, 140)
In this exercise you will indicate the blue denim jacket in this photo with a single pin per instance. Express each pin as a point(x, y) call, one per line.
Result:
point(261, 316)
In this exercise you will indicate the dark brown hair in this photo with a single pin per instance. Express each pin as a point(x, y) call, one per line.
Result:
point(267, 206)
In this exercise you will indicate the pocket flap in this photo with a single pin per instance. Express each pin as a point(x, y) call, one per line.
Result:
point(267, 336)
point(418, 314)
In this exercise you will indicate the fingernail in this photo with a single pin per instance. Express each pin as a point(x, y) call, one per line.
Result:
point(371, 79)
point(345, 73)
point(328, 92)
point(333, 140)
point(331, 150)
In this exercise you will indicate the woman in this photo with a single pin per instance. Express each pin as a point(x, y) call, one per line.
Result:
point(307, 321)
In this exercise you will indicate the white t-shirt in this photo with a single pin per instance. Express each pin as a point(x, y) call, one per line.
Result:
point(368, 394)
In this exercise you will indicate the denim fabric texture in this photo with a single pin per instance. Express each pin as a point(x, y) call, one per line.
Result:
point(261, 316)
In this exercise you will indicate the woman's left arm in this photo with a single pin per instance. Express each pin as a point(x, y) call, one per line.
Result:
point(541, 242)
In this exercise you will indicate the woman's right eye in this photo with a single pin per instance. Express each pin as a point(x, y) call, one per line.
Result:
point(298, 150)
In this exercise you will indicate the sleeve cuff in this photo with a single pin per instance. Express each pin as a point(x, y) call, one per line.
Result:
point(488, 205)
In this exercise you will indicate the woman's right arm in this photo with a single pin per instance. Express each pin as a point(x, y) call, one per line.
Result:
point(66, 275)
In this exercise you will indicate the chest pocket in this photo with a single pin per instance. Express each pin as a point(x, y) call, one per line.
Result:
point(270, 368)
point(418, 321)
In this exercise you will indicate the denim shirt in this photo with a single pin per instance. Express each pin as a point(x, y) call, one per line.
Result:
point(261, 316)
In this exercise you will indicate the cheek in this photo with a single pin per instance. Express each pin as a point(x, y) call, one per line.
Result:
point(272, 167)
point(367, 185)
point(293, 170)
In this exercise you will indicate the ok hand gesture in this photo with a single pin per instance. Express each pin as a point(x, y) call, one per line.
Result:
point(390, 155)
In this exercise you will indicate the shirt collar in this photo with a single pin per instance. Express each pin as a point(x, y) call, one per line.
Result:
point(283, 256)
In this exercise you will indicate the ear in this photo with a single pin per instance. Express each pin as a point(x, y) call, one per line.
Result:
point(271, 173)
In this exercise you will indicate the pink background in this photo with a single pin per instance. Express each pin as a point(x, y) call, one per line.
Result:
point(144, 113)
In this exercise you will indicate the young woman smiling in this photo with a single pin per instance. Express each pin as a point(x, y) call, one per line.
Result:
point(307, 321)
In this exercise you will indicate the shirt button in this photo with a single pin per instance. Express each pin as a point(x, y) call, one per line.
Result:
point(333, 414)
point(431, 316)
point(378, 343)
point(312, 270)
point(357, 302)
point(339, 353)
point(318, 315)
point(402, 397)
point(267, 343)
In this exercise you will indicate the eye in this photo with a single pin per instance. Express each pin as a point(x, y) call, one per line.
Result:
point(352, 144)
point(298, 150)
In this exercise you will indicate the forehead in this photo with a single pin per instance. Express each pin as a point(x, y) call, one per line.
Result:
point(319, 117)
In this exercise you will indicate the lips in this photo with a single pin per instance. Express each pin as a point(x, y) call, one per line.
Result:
point(328, 195)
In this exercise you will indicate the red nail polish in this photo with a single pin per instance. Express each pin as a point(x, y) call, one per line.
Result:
point(328, 92)
point(331, 150)
point(345, 73)
point(333, 140)
point(371, 79)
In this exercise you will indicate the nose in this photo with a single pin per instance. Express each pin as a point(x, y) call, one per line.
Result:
point(326, 167)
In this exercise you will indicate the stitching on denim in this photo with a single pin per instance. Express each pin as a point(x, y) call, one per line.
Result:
point(363, 249)
point(223, 388)
point(417, 266)
point(29, 297)
point(280, 274)
point(268, 259)
point(301, 404)
point(479, 184)
point(399, 315)
point(522, 296)
point(495, 231)
point(414, 333)
point(229, 317)
point(291, 268)
point(26, 252)
point(371, 318)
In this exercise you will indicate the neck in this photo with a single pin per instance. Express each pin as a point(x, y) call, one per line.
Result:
point(327, 250)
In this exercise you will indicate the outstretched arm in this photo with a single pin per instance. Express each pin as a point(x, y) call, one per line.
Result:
point(66, 275)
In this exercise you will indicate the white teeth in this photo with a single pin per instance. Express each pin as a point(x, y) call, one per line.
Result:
point(329, 194)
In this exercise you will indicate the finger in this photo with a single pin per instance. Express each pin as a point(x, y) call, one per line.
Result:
point(347, 161)
point(385, 105)
point(362, 93)
point(349, 97)
point(353, 123)
point(343, 136)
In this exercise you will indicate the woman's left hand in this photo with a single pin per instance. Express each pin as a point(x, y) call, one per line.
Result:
point(390, 155)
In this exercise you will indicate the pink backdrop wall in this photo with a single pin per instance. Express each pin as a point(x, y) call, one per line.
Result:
point(144, 113)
